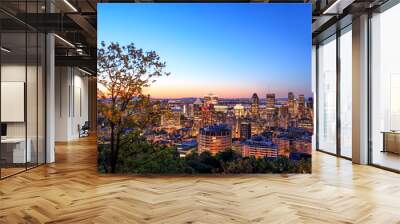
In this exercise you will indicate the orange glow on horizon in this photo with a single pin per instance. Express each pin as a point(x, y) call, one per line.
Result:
point(196, 91)
point(199, 92)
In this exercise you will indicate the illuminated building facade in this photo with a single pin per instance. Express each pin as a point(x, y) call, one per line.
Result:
point(214, 138)
point(301, 106)
point(245, 130)
point(171, 121)
point(270, 100)
point(256, 127)
point(259, 147)
point(239, 110)
point(283, 144)
point(255, 105)
point(215, 124)
point(291, 105)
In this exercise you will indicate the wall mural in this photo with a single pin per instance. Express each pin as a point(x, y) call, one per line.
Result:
point(204, 88)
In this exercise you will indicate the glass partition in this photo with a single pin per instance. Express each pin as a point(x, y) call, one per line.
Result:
point(385, 89)
point(346, 92)
point(13, 94)
point(327, 95)
point(22, 88)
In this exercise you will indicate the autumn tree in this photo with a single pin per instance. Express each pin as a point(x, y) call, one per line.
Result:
point(123, 73)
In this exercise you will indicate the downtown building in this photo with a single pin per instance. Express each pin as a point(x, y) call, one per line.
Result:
point(259, 147)
point(214, 138)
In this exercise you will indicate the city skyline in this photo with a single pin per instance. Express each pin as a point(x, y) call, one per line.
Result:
point(206, 53)
point(248, 97)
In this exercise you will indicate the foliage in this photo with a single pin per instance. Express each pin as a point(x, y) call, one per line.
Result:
point(140, 156)
point(203, 162)
point(123, 73)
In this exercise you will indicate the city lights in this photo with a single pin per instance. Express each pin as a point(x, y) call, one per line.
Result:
point(260, 127)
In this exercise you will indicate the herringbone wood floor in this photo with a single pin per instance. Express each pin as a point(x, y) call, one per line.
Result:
point(71, 191)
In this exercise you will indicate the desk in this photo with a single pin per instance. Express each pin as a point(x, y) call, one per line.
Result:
point(13, 150)
point(391, 141)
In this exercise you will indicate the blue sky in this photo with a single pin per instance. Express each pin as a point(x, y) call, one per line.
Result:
point(231, 50)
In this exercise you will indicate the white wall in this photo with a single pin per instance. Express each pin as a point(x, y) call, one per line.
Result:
point(10, 73)
point(71, 102)
point(13, 73)
point(61, 103)
point(80, 105)
point(33, 127)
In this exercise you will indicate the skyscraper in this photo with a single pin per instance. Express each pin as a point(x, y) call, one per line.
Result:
point(270, 117)
point(188, 110)
point(310, 108)
point(245, 130)
point(170, 120)
point(310, 102)
point(283, 111)
point(270, 100)
point(291, 104)
point(255, 103)
point(301, 106)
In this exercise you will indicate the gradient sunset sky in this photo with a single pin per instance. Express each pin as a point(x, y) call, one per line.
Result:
point(231, 50)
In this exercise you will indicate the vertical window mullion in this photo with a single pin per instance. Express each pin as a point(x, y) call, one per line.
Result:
point(26, 86)
point(0, 92)
point(338, 74)
point(37, 90)
point(317, 96)
point(369, 74)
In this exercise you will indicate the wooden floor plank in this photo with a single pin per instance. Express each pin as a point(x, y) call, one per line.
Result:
point(71, 191)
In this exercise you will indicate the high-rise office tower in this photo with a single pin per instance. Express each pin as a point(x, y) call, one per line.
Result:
point(283, 111)
point(310, 108)
point(291, 104)
point(270, 117)
point(245, 130)
point(283, 116)
point(310, 102)
point(270, 100)
point(255, 103)
point(188, 110)
point(301, 106)
point(207, 117)
point(171, 120)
